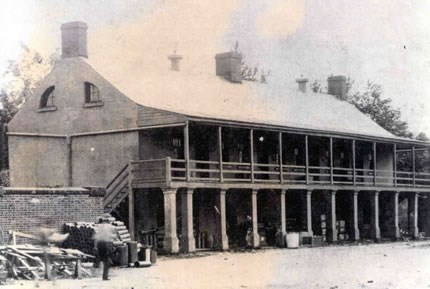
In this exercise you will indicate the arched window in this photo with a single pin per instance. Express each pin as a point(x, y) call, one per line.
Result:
point(47, 98)
point(92, 93)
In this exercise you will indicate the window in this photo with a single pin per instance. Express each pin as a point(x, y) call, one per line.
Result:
point(92, 93)
point(47, 99)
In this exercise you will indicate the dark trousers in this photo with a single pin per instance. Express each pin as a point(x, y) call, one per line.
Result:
point(106, 266)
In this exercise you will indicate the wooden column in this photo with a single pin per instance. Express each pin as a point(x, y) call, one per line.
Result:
point(221, 173)
point(187, 151)
point(307, 159)
point(331, 161)
point(375, 219)
point(251, 140)
point(356, 229)
point(333, 229)
point(171, 243)
point(396, 215)
point(283, 217)
point(309, 212)
point(223, 219)
point(255, 235)
point(374, 163)
point(281, 173)
point(131, 206)
point(413, 166)
point(416, 231)
point(353, 163)
point(395, 164)
point(188, 243)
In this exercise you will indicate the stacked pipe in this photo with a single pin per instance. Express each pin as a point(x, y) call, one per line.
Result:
point(80, 236)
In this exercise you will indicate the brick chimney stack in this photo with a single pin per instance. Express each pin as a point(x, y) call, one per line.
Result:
point(74, 39)
point(303, 83)
point(229, 65)
point(337, 86)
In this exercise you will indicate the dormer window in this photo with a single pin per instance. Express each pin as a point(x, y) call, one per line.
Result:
point(47, 100)
point(92, 95)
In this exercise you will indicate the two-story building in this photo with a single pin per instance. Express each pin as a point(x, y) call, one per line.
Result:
point(193, 155)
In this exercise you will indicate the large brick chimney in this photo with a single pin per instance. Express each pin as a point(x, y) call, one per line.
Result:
point(229, 65)
point(337, 86)
point(74, 39)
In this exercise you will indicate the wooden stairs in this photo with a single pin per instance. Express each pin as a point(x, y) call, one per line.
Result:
point(117, 190)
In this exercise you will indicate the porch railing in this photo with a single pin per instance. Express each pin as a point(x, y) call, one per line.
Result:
point(168, 169)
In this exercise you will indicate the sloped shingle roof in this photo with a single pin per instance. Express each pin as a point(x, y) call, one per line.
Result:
point(210, 96)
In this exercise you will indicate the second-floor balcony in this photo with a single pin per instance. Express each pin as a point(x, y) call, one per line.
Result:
point(168, 170)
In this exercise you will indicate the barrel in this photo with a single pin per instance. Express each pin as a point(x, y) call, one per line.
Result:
point(132, 251)
point(292, 240)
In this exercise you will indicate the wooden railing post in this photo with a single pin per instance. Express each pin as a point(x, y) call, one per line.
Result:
point(168, 170)
point(395, 164)
point(413, 166)
point(374, 163)
point(307, 159)
point(331, 161)
point(353, 163)
point(251, 140)
point(221, 173)
point(281, 174)
point(187, 151)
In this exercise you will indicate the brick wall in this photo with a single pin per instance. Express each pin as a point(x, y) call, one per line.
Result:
point(25, 210)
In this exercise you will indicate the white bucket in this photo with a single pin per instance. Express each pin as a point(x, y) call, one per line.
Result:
point(292, 240)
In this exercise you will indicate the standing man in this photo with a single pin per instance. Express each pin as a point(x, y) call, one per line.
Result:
point(104, 237)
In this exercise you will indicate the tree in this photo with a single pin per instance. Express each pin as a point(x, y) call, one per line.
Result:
point(371, 103)
point(422, 137)
point(251, 73)
point(21, 78)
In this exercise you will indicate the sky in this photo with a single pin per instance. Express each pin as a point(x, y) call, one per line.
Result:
point(383, 41)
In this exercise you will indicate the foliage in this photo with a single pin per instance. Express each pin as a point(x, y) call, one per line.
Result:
point(371, 103)
point(251, 73)
point(20, 80)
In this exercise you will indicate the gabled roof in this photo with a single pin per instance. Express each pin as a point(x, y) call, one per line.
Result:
point(206, 95)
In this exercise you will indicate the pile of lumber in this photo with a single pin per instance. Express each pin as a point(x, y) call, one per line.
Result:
point(36, 262)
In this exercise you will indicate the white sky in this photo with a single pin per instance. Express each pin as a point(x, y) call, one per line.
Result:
point(384, 41)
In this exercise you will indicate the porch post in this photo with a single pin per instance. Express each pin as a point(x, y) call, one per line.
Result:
point(188, 243)
point(187, 151)
point(395, 165)
point(353, 163)
point(413, 166)
point(251, 148)
point(255, 235)
point(333, 229)
point(309, 212)
point(307, 159)
point(374, 163)
point(281, 173)
point(131, 211)
point(171, 243)
point(416, 231)
point(221, 174)
point(396, 216)
point(356, 229)
point(283, 217)
point(331, 161)
point(223, 219)
point(375, 219)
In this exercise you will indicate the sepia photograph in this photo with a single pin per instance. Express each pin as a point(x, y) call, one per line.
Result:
point(187, 144)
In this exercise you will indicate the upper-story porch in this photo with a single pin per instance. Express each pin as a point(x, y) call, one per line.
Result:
point(214, 155)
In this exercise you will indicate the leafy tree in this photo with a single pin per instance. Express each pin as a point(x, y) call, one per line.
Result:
point(422, 137)
point(20, 79)
point(251, 73)
point(371, 103)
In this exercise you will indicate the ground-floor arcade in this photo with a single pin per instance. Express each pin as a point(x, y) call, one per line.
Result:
point(189, 219)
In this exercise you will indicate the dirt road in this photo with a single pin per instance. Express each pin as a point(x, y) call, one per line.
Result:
point(394, 265)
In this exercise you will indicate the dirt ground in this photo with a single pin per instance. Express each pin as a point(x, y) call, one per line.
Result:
point(390, 265)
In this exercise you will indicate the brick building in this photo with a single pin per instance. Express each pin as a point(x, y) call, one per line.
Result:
point(190, 156)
